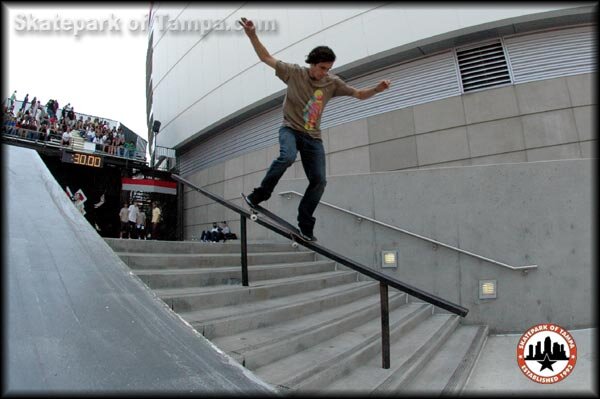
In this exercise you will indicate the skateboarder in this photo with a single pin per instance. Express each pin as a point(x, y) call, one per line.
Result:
point(309, 90)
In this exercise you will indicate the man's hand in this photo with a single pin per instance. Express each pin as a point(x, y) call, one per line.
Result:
point(363, 94)
point(383, 85)
point(261, 51)
point(248, 26)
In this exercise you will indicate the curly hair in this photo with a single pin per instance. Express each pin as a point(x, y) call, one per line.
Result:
point(320, 54)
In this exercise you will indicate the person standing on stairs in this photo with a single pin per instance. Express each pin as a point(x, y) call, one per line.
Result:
point(308, 91)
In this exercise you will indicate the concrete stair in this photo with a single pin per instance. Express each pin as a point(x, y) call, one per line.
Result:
point(306, 324)
point(77, 141)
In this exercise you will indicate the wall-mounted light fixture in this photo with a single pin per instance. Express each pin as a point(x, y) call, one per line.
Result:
point(488, 289)
point(389, 258)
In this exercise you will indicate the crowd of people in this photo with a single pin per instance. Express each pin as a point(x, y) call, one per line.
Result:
point(134, 221)
point(218, 233)
point(42, 123)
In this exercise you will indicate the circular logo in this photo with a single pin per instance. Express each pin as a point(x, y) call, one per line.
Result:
point(546, 353)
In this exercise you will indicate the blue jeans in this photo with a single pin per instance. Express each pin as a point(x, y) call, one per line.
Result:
point(312, 154)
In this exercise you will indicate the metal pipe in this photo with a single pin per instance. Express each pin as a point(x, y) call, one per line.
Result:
point(418, 236)
point(385, 325)
point(244, 244)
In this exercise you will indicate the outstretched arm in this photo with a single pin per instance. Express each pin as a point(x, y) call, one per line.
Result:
point(363, 94)
point(261, 51)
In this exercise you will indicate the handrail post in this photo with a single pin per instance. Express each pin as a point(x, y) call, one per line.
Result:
point(244, 244)
point(385, 325)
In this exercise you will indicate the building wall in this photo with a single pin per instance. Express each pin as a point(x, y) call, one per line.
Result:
point(504, 172)
point(520, 214)
point(197, 79)
point(543, 120)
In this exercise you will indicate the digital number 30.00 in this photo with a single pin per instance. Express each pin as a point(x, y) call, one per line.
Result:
point(89, 160)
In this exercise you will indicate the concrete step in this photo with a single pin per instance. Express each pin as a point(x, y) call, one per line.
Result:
point(408, 353)
point(229, 320)
point(177, 261)
point(329, 360)
point(200, 277)
point(197, 298)
point(448, 370)
point(306, 324)
point(257, 348)
point(193, 247)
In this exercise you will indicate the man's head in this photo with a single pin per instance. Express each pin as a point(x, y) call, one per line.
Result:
point(321, 60)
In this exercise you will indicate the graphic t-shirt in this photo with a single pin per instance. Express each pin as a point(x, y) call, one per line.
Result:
point(305, 98)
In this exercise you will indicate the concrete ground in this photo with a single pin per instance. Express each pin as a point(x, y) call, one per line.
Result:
point(497, 372)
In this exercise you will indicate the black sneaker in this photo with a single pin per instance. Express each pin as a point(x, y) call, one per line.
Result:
point(308, 237)
point(250, 200)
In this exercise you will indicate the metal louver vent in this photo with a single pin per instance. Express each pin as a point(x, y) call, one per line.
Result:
point(483, 66)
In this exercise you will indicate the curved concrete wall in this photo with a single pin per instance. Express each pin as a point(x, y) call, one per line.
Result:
point(518, 156)
point(544, 120)
point(514, 186)
point(199, 80)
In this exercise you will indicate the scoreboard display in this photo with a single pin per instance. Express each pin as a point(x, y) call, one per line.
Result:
point(79, 158)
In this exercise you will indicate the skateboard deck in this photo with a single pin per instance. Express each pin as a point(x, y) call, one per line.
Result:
point(292, 230)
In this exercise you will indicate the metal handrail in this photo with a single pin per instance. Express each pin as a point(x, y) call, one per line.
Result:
point(359, 216)
point(384, 280)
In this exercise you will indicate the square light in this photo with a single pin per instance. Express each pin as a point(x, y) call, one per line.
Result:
point(487, 289)
point(389, 258)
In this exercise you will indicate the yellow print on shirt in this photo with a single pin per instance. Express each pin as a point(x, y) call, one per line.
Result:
point(312, 110)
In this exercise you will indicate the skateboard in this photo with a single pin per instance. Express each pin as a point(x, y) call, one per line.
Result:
point(292, 230)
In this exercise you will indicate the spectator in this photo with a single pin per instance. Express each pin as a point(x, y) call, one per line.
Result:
point(50, 108)
point(66, 138)
point(129, 149)
point(10, 123)
point(141, 225)
point(132, 215)
point(54, 108)
point(227, 234)
point(110, 144)
point(64, 111)
point(216, 233)
point(121, 143)
point(78, 200)
point(156, 219)
point(71, 118)
point(99, 140)
point(25, 101)
point(205, 236)
point(124, 218)
point(12, 100)
point(80, 125)
point(34, 106)
point(39, 113)
point(90, 134)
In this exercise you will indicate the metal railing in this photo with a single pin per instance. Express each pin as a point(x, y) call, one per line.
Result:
point(389, 226)
point(384, 280)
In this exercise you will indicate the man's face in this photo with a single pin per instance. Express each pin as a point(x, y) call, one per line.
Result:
point(320, 70)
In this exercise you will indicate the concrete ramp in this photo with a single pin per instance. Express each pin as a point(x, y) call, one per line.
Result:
point(77, 319)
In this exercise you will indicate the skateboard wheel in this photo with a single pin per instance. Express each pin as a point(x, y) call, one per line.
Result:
point(295, 245)
point(253, 218)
